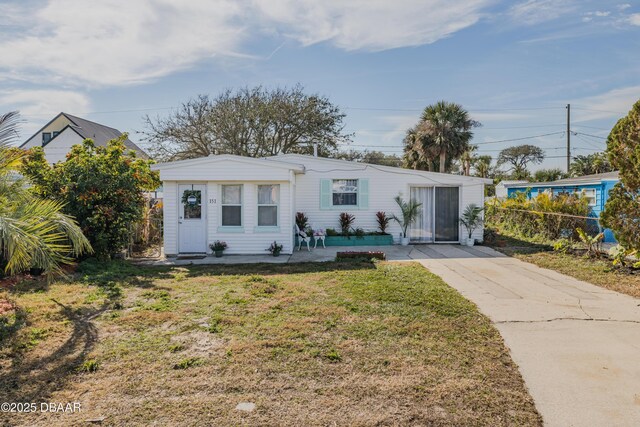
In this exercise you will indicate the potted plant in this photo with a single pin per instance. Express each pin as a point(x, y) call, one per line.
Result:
point(302, 221)
point(218, 247)
point(383, 221)
point(410, 211)
point(275, 248)
point(471, 219)
point(346, 223)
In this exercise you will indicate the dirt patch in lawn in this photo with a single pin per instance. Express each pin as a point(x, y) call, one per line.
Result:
point(308, 344)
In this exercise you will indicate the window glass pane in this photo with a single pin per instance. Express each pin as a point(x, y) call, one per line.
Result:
point(192, 211)
point(345, 192)
point(46, 137)
point(267, 216)
point(232, 215)
point(268, 194)
point(347, 199)
point(232, 194)
point(192, 203)
point(345, 185)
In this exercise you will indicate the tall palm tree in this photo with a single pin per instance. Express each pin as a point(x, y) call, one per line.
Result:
point(33, 231)
point(447, 126)
point(419, 153)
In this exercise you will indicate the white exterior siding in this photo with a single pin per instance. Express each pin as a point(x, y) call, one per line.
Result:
point(170, 211)
point(384, 185)
point(299, 192)
point(252, 239)
point(56, 150)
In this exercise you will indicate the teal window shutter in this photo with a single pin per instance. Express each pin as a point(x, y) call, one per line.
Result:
point(325, 194)
point(363, 193)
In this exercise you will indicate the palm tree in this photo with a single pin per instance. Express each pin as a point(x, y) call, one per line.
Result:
point(447, 126)
point(467, 158)
point(482, 165)
point(34, 233)
point(581, 165)
point(418, 152)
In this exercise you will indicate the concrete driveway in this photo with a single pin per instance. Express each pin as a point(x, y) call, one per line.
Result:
point(577, 345)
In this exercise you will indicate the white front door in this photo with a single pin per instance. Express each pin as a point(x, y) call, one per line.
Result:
point(192, 223)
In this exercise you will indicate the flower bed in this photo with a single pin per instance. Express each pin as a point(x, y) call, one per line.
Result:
point(366, 255)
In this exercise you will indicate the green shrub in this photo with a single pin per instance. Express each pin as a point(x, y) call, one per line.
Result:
point(100, 186)
point(563, 246)
point(538, 217)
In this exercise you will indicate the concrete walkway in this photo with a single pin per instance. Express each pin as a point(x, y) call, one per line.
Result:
point(577, 345)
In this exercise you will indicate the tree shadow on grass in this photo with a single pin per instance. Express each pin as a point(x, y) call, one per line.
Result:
point(509, 245)
point(35, 380)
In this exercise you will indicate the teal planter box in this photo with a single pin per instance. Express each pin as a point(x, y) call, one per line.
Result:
point(373, 240)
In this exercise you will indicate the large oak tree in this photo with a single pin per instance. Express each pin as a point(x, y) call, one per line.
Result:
point(252, 122)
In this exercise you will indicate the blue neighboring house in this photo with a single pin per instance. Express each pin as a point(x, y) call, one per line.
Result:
point(595, 187)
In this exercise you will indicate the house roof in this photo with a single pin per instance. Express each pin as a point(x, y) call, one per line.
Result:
point(581, 180)
point(228, 157)
point(100, 134)
point(434, 176)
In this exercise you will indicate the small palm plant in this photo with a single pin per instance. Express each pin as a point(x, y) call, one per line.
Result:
point(410, 211)
point(592, 243)
point(34, 233)
point(471, 219)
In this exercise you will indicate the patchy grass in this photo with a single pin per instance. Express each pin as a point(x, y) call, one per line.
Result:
point(309, 344)
point(596, 271)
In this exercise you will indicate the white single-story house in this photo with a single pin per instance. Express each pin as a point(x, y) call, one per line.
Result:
point(251, 202)
point(65, 130)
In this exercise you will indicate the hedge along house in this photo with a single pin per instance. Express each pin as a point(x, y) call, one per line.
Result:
point(251, 202)
point(594, 187)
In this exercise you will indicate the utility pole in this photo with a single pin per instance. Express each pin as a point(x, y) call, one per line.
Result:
point(568, 137)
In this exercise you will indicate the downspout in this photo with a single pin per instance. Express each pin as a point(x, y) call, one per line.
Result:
point(292, 202)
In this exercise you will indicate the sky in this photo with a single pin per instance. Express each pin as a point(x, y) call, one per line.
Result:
point(514, 65)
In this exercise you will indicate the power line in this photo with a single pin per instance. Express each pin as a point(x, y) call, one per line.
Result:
point(520, 139)
point(599, 111)
point(588, 134)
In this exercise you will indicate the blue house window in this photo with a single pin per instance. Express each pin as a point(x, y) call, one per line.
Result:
point(46, 137)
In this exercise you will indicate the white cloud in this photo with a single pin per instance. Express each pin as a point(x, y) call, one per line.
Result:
point(533, 12)
point(115, 43)
point(623, 6)
point(634, 19)
point(612, 104)
point(39, 106)
point(370, 24)
point(111, 42)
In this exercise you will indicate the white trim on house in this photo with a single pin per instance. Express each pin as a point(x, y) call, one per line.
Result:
point(300, 179)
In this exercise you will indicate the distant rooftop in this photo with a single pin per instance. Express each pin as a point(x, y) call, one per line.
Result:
point(585, 179)
point(100, 134)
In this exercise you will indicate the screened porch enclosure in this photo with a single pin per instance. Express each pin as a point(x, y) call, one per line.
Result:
point(438, 218)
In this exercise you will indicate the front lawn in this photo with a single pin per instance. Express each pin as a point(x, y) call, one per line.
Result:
point(308, 344)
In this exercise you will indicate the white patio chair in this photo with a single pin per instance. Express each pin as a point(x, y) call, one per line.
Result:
point(302, 237)
point(318, 234)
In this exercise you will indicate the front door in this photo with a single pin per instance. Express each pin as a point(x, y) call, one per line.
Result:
point(447, 211)
point(192, 235)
